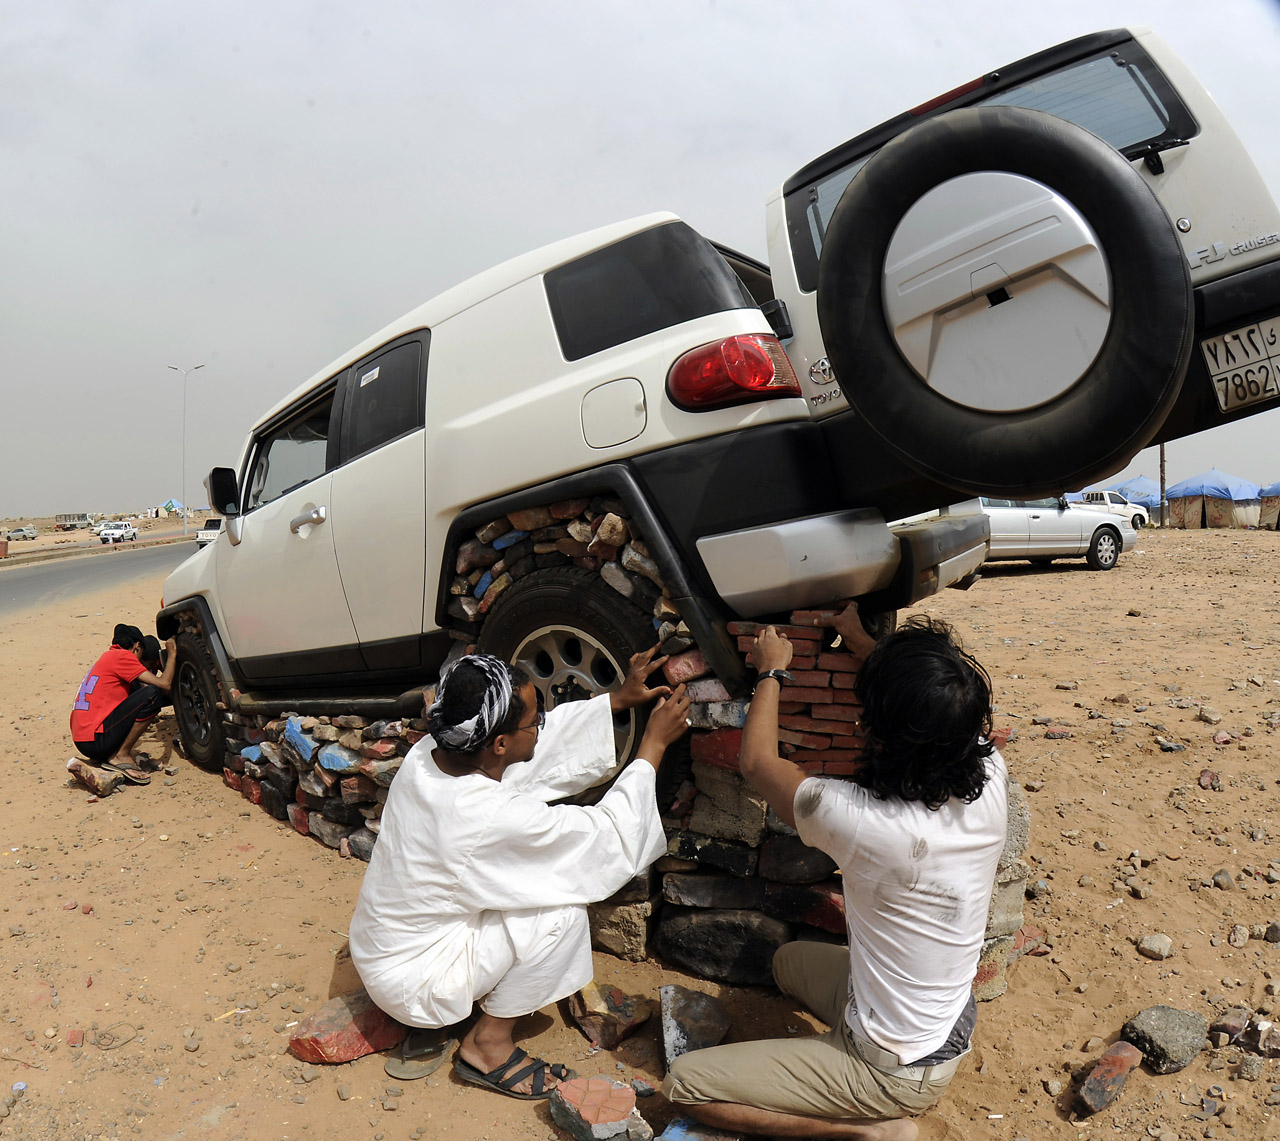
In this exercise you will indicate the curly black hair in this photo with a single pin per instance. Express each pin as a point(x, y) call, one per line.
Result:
point(926, 717)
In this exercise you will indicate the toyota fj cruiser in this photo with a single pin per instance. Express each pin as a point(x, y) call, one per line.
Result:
point(1009, 290)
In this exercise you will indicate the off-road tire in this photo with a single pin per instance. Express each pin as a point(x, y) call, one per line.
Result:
point(1104, 549)
point(196, 695)
point(575, 635)
point(1119, 401)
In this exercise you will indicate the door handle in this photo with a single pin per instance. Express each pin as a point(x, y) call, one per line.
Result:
point(315, 515)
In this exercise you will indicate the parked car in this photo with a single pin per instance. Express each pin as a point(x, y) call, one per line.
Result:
point(209, 531)
point(24, 533)
point(118, 533)
point(711, 399)
point(1115, 503)
point(1046, 529)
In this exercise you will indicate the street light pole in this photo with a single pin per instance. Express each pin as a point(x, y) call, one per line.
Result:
point(185, 372)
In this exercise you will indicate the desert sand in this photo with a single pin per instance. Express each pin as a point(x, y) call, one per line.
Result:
point(185, 931)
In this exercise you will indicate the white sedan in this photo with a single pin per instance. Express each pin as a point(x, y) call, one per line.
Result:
point(1046, 529)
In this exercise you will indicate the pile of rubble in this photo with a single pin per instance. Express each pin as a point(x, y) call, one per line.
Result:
point(737, 882)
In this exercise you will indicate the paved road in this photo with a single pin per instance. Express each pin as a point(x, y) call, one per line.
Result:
point(49, 583)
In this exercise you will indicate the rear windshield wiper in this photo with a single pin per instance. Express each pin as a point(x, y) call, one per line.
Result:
point(1150, 152)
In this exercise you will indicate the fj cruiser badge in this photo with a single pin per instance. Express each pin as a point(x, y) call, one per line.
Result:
point(821, 372)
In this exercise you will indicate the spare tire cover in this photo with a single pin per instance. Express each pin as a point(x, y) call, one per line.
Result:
point(1005, 302)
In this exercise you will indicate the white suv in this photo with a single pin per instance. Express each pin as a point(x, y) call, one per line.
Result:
point(999, 292)
point(118, 533)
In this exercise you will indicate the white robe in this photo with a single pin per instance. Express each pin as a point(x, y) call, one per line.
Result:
point(477, 888)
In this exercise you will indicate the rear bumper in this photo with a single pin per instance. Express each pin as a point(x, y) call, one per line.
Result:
point(848, 554)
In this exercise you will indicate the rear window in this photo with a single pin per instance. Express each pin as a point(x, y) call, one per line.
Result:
point(649, 281)
point(1120, 96)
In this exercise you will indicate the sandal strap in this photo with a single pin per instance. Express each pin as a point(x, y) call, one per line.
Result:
point(537, 1068)
point(495, 1074)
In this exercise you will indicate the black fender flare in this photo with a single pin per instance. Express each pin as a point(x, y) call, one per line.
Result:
point(618, 480)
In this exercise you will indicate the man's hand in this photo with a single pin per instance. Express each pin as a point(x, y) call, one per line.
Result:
point(848, 624)
point(635, 690)
point(771, 650)
point(668, 722)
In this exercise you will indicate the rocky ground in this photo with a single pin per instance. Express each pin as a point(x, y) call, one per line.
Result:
point(184, 932)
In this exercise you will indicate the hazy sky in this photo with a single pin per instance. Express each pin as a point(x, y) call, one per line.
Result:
point(258, 186)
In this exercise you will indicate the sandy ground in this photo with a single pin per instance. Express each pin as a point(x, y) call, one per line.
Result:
point(179, 914)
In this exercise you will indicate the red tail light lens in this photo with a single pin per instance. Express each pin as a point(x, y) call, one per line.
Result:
point(734, 371)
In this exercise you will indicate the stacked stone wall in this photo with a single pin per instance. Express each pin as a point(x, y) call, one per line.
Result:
point(736, 882)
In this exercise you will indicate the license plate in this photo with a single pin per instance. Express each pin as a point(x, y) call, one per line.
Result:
point(1244, 364)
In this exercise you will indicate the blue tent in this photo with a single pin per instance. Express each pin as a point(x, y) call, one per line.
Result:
point(1214, 499)
point(1216, 484)
point(1140, 490)
point(1270, 491)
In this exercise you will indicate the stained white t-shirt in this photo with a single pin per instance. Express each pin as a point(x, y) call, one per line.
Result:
point(917, 888)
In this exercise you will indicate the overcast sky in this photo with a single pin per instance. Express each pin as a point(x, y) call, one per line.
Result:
point(258, 186)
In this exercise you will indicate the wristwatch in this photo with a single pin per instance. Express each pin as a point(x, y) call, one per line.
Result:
point(781, 675)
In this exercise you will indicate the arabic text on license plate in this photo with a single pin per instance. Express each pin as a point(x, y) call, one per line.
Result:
point(1244, 364)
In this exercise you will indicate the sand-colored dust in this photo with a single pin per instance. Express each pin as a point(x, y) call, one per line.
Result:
point(200, 920)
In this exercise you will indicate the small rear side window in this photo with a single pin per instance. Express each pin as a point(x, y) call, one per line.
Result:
point(649, 281)
point(384, 400)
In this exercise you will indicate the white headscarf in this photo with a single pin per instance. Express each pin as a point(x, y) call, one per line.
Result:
point(470, 735)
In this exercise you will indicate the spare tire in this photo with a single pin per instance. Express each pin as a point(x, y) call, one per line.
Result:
point(1005, 302)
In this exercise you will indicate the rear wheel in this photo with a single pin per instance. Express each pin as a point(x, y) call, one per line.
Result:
point(574, 635)
point(196, 696)
point(880, 623)
point(1104, 549)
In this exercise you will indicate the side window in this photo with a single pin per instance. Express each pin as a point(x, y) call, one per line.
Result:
point(646, 282)
point(1043, 504)
point(384, 400)
point(292, 454)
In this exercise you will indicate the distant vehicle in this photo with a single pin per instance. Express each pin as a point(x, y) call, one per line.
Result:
point(24, 533)
point(118, 533)
point(209, 531)
point(72, 522)
point(1046, 529)
point(1117, 504)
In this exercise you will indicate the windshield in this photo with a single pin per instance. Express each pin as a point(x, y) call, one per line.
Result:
point(1122, 97)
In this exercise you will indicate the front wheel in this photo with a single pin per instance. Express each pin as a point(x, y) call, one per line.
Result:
point(196, 697)
point(1137, 522)
point(573, 635)
point(1104, 549)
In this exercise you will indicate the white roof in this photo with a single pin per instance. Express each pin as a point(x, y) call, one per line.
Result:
point(475, 289)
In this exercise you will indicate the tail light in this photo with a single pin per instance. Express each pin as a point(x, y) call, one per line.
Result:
point(733, 371)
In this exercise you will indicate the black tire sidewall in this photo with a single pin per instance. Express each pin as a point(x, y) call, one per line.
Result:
point(1124, 396)
point(192, 652)
point(1093, 558)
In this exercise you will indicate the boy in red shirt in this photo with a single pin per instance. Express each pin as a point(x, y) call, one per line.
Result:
point(118, 698)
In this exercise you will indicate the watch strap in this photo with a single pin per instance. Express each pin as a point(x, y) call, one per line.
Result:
point(781, 675)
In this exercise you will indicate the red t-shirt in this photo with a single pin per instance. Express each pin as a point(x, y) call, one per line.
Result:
point(104, 687)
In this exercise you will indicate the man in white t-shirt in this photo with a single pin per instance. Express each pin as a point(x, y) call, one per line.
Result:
point(917, 834)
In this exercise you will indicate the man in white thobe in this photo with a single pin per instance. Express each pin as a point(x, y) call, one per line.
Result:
point(477, 888)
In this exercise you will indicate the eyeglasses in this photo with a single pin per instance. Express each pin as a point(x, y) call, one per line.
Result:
point(538, 723)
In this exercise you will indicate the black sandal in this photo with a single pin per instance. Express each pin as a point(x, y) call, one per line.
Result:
point(496, 1081)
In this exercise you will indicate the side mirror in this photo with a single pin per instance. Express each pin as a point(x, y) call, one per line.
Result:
point(224, 495)
point(1062, 503)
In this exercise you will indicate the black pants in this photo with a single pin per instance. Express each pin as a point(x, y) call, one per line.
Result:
point(141, 705)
